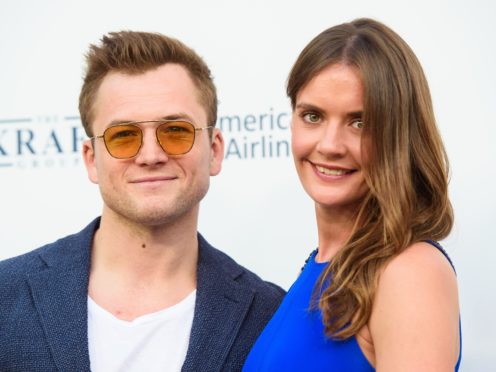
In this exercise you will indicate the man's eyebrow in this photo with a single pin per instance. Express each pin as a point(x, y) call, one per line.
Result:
point(176, 116)
point(117, 122)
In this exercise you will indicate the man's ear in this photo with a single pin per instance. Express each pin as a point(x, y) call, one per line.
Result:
point(216, 152)
point(89, 160)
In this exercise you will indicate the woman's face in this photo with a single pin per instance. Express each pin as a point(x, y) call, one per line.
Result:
point(326, 138)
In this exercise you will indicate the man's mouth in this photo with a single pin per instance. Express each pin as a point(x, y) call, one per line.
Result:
point(153, 179)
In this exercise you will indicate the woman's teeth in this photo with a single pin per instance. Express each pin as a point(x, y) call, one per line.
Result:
point(332, 172)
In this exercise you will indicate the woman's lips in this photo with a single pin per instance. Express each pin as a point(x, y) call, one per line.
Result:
point(331, 172)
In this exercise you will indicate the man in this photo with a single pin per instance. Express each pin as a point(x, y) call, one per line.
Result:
point(138, 289)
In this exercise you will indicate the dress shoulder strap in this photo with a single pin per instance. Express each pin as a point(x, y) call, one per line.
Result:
point(441, 249)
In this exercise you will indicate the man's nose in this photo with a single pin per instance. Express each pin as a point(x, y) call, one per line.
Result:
point(151, 151)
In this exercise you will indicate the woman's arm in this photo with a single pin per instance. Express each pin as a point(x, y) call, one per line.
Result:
point(415, 318)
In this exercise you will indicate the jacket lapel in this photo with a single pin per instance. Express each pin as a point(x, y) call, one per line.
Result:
point(60, 293)
point(221, 306)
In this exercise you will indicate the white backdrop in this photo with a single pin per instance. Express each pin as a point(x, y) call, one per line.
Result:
point(256, 210)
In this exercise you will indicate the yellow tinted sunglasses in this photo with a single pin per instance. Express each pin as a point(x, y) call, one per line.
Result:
point(175, 137)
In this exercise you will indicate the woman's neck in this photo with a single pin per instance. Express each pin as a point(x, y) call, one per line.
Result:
point(334, 229)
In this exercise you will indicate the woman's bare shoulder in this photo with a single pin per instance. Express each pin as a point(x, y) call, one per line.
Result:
point(419, 260)
point(415, 313)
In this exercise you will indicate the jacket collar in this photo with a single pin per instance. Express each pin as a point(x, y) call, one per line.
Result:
point(221, 305)
point(60, 292)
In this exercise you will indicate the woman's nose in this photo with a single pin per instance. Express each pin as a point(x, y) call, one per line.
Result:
point(333, 140)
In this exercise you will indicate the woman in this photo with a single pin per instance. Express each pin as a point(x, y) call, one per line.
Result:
point(379, 292)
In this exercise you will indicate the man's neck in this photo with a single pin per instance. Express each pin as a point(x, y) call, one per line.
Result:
point(138, 269)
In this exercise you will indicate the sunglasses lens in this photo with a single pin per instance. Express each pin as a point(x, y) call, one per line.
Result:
point(123, 141)
point(176, 137)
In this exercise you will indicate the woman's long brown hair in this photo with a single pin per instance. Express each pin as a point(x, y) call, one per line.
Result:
point(407, 168)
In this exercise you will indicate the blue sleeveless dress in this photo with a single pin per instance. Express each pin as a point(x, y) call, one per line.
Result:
point(294, 338)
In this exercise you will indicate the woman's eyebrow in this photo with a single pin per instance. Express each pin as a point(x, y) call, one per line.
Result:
point(307, 106)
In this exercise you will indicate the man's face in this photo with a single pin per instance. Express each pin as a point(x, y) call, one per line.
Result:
point(152, 188)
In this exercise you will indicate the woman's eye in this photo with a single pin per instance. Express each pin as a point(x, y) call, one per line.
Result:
point(311, 117)
point(357, 123)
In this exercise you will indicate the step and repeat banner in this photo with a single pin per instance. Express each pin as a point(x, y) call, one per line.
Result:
point(256, 210)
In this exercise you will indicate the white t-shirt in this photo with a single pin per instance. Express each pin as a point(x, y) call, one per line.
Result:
point(152, 342)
